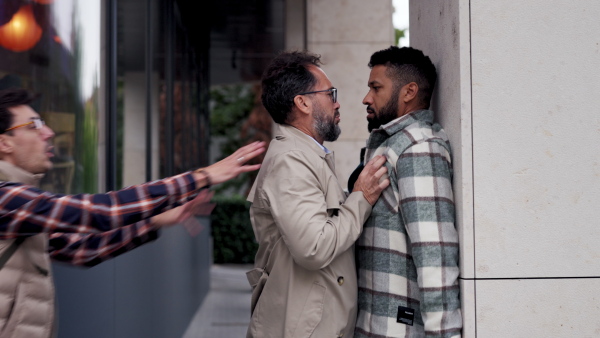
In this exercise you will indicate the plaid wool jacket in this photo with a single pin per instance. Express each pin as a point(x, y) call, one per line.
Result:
point(85, 249)
point(408, 252)
point(26, 210)
point(91, 249)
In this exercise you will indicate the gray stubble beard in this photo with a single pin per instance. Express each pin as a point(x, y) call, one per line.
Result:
point(326, 127)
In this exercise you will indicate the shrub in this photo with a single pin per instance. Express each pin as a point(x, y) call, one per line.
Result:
point(233, 237)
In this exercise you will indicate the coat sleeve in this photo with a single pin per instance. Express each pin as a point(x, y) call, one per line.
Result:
point(315, 222)
point(427, 206)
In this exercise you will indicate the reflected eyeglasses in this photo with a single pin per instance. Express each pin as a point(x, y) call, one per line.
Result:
point(332, 90)
point(38, 124)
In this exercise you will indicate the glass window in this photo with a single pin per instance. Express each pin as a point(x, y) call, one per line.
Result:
point(160, 85)
point(137, 92)
point(183, 107)
point(54, 49)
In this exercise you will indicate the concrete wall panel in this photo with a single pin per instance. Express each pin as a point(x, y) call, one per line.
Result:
point(538, 308)
point(343, 21)
point(536, 79)
point(467, 301)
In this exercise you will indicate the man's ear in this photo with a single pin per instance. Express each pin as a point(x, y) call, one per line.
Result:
point(410, 91)
point(303, 104)
point(6, 145)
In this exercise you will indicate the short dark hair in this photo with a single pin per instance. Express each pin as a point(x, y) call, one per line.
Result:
point(406, 65)
point(286, 76)
point(11, 98)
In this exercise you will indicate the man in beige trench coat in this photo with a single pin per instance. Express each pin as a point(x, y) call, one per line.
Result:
point(304, 281)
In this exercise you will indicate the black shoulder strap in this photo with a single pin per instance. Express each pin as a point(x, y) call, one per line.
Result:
point(10, 250)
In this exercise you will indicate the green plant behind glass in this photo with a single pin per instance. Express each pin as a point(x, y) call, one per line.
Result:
point(230, 107)
point(89, 155)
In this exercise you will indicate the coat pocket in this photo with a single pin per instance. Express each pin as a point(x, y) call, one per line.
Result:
point(312, 312)
point(257, 278)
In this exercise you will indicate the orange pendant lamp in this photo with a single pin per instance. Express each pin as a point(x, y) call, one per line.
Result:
point(22, 31)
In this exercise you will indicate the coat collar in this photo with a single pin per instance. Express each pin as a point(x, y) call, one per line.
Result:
point(283, 131)
point(10, 172)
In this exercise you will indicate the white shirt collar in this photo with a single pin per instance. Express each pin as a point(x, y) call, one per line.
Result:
point(327, 151)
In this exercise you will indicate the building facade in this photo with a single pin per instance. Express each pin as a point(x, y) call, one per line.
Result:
point(124, 85)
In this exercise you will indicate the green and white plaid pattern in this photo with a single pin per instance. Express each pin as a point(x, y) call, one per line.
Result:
point(408, 253)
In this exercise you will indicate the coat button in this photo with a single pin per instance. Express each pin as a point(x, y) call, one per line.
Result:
point(340, 280)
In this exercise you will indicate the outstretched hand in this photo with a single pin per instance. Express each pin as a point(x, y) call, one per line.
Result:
point(371, 180)
point(199, 206)
point(234, 164)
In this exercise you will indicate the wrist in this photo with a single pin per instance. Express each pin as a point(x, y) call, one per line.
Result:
point(202, 177)
point(369, 200)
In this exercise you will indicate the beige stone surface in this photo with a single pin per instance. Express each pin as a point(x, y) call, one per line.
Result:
point(467, 302)
point(538, 308)
point(522, 177)
point(335, 21)
point(295, 24)
point(535, 134)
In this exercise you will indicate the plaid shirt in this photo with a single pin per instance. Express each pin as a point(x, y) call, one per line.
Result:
point(408, 253)
point(87, 229)
point(90, 249)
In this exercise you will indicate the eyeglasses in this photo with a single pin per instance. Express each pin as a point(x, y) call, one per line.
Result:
point(37, 122)
point(332, 90)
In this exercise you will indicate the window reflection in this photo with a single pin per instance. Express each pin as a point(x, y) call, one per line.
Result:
point(56, 53)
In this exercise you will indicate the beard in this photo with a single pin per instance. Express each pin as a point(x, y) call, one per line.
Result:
point(325, 125)
point(388, 113)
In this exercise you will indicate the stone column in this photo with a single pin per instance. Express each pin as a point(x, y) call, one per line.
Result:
point(518, 95)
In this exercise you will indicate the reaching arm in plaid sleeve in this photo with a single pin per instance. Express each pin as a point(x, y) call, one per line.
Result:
point(25, 210)
point(90, 249)
point(427, 206)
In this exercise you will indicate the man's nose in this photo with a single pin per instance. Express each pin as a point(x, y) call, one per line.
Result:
point(367, 101)
point(47, 132)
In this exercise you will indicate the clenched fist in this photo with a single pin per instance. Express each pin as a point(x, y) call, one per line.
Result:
point(373, 179)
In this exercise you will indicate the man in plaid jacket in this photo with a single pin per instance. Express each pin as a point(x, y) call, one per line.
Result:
point(407, 255)
point(82, 229)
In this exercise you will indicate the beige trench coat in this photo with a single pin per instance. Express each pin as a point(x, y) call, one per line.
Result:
point(306, 229)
